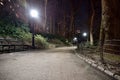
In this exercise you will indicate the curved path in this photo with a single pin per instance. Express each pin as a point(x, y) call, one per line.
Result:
point(53, 64)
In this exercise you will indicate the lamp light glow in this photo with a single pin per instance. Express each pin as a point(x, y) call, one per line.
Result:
point(84, 34)
point(34, 13)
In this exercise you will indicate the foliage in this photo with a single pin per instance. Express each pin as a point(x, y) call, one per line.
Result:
point(55, 41)
point(40, 41)
point(6, 29)
point(88, 45)
point(56, 38)
point(9, 25)
point(11, 30)
point(20, 32)
point(13, 27)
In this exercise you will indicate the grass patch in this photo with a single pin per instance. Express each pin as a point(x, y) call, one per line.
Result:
point(112, 57)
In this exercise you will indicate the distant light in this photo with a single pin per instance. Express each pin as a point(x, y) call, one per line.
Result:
point(18, 5)
point(13, 9)
point(1, 3)
point(74, 39)
point(10, 6)
point(84, 34)
point(34, 13)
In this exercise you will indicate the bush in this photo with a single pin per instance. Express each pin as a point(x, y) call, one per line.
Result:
point(12, 27)
point(40, 41)
point(26, 37)
point(56, 42)
point(88, 45)
point(23, 35)
point(56, 39)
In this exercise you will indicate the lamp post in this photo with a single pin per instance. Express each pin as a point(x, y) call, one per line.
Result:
point(84, 34)
point(34, 14)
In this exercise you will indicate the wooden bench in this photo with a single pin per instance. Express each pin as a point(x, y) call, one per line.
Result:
point(9, 45)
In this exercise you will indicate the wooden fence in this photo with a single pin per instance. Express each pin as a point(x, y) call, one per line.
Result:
point(10, 45)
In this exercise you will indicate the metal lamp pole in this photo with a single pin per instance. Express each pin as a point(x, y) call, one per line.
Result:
point(33, 14)
point(33, 37)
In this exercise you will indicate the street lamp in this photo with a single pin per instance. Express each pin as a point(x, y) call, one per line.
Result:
point(34, 14)
point(84, 34)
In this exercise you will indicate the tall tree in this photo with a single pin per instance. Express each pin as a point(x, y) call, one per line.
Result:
point(46, 1)
point(92, 21)
point(75, 8)
point(110, 26)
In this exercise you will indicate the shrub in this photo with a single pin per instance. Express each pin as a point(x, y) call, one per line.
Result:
point(40, 41)
point(88, 45)
point(56, 38)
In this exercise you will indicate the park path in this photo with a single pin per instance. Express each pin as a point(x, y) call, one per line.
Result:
point(53, 64)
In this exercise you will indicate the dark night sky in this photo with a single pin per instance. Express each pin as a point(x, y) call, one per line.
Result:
point(81, 20)
point(83, 15)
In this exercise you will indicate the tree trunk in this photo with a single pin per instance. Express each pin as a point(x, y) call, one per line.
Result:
point(110, 27)
point(92, 22)
point(44, 27)
point(74, 11)
point(71, 23)
point(50, 28)
point(64, 25)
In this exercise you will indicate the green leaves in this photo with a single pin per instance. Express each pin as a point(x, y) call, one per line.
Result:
point(41, 41)
point(11, 26)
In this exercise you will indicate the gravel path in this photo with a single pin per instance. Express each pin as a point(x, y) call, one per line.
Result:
point(54, 64)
